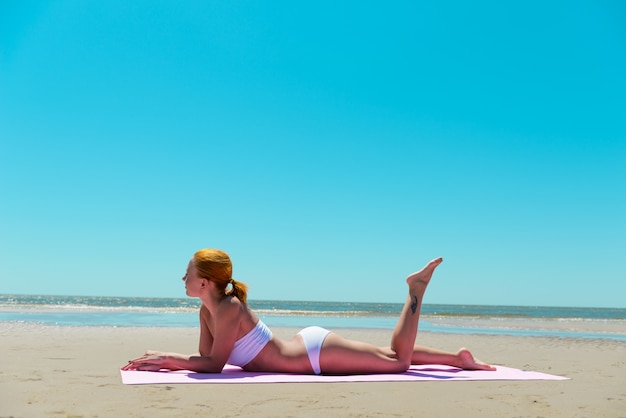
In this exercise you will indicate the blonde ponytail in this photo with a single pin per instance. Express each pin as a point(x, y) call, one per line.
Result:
point(239, 290)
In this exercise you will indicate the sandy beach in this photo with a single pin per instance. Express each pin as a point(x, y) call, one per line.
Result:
point(73, 372)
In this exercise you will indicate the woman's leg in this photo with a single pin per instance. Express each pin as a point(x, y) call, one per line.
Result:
point(405, 332)
point(342, 356)
point(462, 359)
point(339, 355)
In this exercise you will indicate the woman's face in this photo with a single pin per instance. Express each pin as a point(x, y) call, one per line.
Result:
point(193, 283)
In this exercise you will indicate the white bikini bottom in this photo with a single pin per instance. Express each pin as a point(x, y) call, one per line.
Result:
point(313, 338)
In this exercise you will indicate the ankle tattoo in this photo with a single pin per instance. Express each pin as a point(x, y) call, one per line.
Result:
point(414, 304)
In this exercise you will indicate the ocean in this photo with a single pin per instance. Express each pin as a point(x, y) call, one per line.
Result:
point(563, 322)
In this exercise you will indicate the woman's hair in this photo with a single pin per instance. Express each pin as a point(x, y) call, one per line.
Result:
point(215, 265)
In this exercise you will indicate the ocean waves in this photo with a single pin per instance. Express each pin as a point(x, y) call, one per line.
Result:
point(573, 322)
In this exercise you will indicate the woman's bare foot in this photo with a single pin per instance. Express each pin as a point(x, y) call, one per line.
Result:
point(468, 362)
point(423, 276)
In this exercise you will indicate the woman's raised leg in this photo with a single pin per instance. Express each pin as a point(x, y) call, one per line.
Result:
point(340, 356)
point(405, 332)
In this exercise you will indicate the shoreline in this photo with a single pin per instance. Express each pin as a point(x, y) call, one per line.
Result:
point(610, 329)
point(61, 371)
point(566, 322)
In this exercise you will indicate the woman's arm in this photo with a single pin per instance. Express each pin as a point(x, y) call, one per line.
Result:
point(154, 361)
point(214, 351)
point(206, 338)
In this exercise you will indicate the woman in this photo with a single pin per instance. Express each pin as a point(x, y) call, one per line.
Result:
point(231, 333)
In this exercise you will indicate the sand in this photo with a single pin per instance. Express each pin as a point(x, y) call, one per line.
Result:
point(50, 371)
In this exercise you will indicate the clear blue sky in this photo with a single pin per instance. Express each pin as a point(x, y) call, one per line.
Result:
point(330, 148)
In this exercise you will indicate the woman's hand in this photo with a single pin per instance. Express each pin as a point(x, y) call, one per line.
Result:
point(151, 361)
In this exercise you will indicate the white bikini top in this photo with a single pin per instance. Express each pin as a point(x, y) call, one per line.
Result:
point(247, 347)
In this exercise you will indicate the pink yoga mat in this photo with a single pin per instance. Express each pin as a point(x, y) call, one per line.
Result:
point(232, 374)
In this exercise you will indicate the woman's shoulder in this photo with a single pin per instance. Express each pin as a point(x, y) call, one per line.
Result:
point(205, 314)
point(231, 304)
